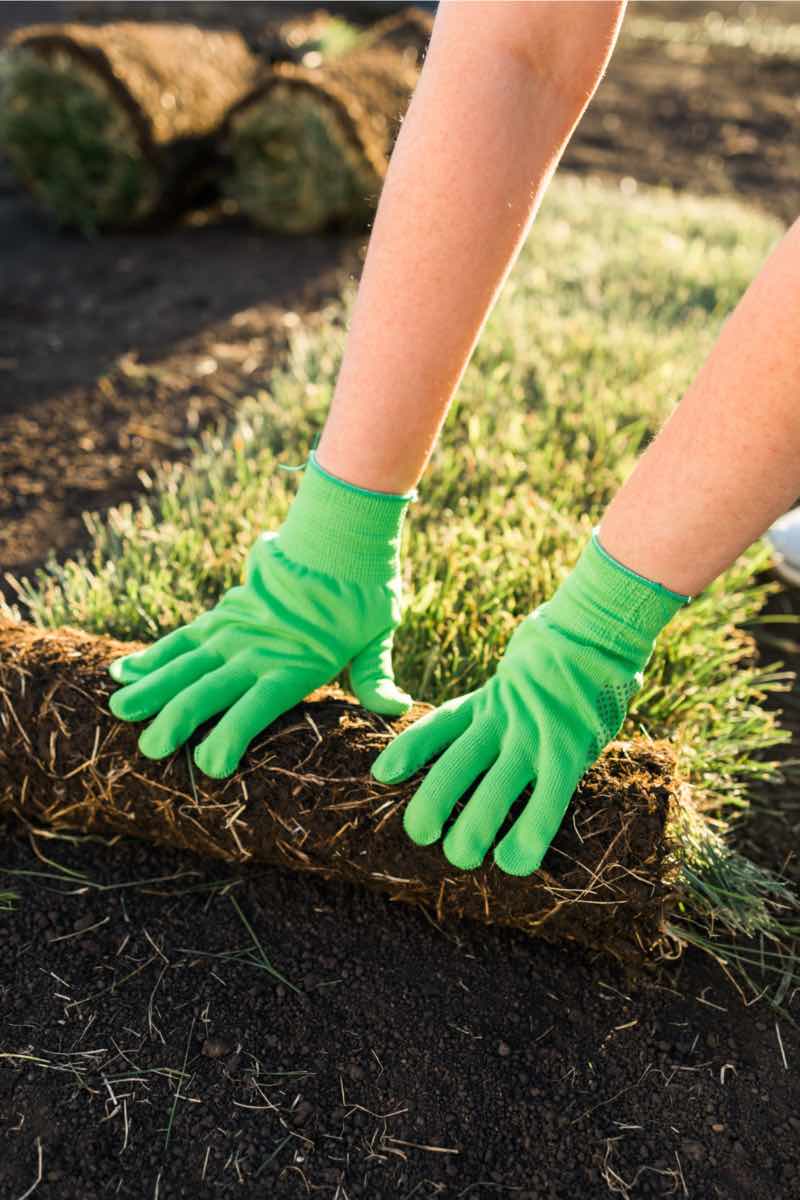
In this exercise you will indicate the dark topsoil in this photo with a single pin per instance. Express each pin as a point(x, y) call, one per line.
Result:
point(399, 1059)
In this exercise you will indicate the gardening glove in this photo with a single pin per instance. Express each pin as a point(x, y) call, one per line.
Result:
point(558, 696)
point(322, 592)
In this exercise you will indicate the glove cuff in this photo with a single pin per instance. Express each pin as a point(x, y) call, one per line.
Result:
point(613, 605)
point(343, 530)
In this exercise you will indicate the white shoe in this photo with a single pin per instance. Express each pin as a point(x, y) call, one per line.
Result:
point(784, 537)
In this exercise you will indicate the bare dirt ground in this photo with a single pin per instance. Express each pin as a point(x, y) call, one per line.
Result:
point(143, 1050)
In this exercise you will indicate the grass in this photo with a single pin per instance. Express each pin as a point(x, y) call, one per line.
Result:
point(336, 36)
point(754, 32)
point(604, 320)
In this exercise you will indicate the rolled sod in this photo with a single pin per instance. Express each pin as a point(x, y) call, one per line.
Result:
point(113, 126)
point(308, 148)
point(408, 31)
point(304, 799)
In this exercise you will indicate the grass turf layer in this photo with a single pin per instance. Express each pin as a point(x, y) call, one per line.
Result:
point(601, 325)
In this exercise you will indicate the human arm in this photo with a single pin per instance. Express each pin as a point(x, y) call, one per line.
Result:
point(503, 86)
point(725, 464)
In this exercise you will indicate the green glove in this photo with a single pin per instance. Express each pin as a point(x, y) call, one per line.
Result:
point(323, 592)
point(558, 696)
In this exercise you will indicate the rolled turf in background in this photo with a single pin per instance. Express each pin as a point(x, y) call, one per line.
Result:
point(408, 31)
point(114, 126)
point(304, 799)
point(308, 148)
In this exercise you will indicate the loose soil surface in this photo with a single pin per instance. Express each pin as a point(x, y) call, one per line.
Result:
point(146, 1051)
point(411, 1061)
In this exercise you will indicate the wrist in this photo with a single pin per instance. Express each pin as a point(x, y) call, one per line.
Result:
point(607, 603)
point(343, 530)
point(382, 462)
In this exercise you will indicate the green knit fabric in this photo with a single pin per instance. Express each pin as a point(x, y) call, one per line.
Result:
point(558, 696)
point(344, 530)
point(321, 593)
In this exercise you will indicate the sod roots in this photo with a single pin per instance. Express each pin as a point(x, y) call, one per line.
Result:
point(114, 126)
point(305, 799)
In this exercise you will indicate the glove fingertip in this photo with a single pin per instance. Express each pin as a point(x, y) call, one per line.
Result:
point(384, 697)
point(127, 670)
point(391, 706)
point(464, 857)
point(215, 770)
point(515, 859)
point(384, 771)
point(419, 836)
point(117, 703)
point(150, 747)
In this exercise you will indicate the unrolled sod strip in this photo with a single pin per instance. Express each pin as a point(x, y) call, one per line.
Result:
point(304, 798)
point(309, 147)
point(114, 125)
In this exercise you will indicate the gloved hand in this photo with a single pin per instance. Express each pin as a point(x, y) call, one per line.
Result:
point(558, 696)
point(323, 592)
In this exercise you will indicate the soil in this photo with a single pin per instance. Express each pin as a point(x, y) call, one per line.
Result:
point(710, 120)
point(146, 1050)
point(411, 1061)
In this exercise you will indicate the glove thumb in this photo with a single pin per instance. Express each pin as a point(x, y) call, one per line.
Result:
point(372, 678)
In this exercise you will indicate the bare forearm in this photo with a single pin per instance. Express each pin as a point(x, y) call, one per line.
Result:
point(727, 463)
point(500, 92)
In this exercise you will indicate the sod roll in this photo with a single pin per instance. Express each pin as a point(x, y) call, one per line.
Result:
point(114, 125)
point(308, 148)
point(304, 798)
point(408, 31)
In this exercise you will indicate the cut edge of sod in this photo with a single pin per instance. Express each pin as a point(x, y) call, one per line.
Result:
point(308, 148)
point(74, 139)
point(297, 160)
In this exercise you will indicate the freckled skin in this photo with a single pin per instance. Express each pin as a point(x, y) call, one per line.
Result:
point(502, 88)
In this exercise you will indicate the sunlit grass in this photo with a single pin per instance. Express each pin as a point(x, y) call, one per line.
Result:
point(755, 32)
